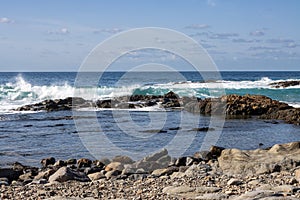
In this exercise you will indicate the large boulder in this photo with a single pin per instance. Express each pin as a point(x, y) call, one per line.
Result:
point(64, 174)
point(260, 161)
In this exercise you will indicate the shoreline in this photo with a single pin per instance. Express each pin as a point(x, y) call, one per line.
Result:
point(217, 174)
point(272, 173)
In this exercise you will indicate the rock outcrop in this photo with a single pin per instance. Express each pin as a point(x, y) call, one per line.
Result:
point(280, 157)
point(284, 84)
point(233, 106)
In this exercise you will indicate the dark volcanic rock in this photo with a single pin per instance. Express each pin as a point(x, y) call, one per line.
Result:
point(284, 84)
point(233, 106)
point(291, 116)
point(57, 104)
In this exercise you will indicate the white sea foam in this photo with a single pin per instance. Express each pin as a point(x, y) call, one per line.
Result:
point(20, 92)
point(263, 83)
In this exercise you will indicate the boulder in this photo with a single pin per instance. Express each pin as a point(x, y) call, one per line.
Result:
point(260, 161)
point(84, 162)
point(10, 174)
point(96, 176)
point(47, 161)
point(123, 159)
point(114, 166)
point(65, 174)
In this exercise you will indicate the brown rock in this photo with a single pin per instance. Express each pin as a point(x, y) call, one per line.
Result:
point(47, 161)
point(84, 162)
point(113, 166)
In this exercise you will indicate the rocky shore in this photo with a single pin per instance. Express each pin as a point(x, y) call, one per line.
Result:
point(272, 173)
point(230, 105)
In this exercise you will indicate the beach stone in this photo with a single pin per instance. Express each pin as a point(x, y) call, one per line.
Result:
point(156, 156)
point(180, 162)
point(129, 169)
point(84, 162)
point(112, 173)
point(297, 174)
point(196, 170)
point(203, 155)
point(177, 189)
point(65, 174)
point(26, 176)
point(123, 160)
point(91, 170)
point(98, 163)
point(105, 161)
point(205, 189)
point(71, 161)
point(96, 176)
point(5, 183)
point(59, 163)
point(10, 174)
point(257, 194)
point(114, 166)
point(44, 174)
point(166, 171)
point(176, 175)
point(283, 188)
point(212, 196)
point(234, 181)
point(47, 161)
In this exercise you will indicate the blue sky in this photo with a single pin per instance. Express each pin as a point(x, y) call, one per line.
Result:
point(57, 35)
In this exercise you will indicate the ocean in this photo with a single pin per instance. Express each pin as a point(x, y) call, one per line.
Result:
point(27, 137)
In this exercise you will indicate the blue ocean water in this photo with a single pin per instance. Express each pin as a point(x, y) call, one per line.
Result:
point(28, 137)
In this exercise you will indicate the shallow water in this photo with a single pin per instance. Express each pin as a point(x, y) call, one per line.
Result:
point(28, 138)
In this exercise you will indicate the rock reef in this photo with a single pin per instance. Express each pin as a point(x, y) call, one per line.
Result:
point(284, 84)
point(232, 105)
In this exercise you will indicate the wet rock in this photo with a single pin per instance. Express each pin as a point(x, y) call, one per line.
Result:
point(10, 174)
point(65, 174)
point(84, 162)
point(71, 161)
point(284, 84)
point(47, 161)
point(59, 163)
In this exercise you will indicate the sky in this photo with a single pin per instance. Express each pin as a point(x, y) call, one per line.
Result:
point(57, 35)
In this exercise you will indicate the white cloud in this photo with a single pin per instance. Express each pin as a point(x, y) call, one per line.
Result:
point(5, 20)
point(108, 30)
point(62, 31)
point(211, 3)
point(223, 35)
point(257, 33)
point(241, 40)
point(197, 26)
